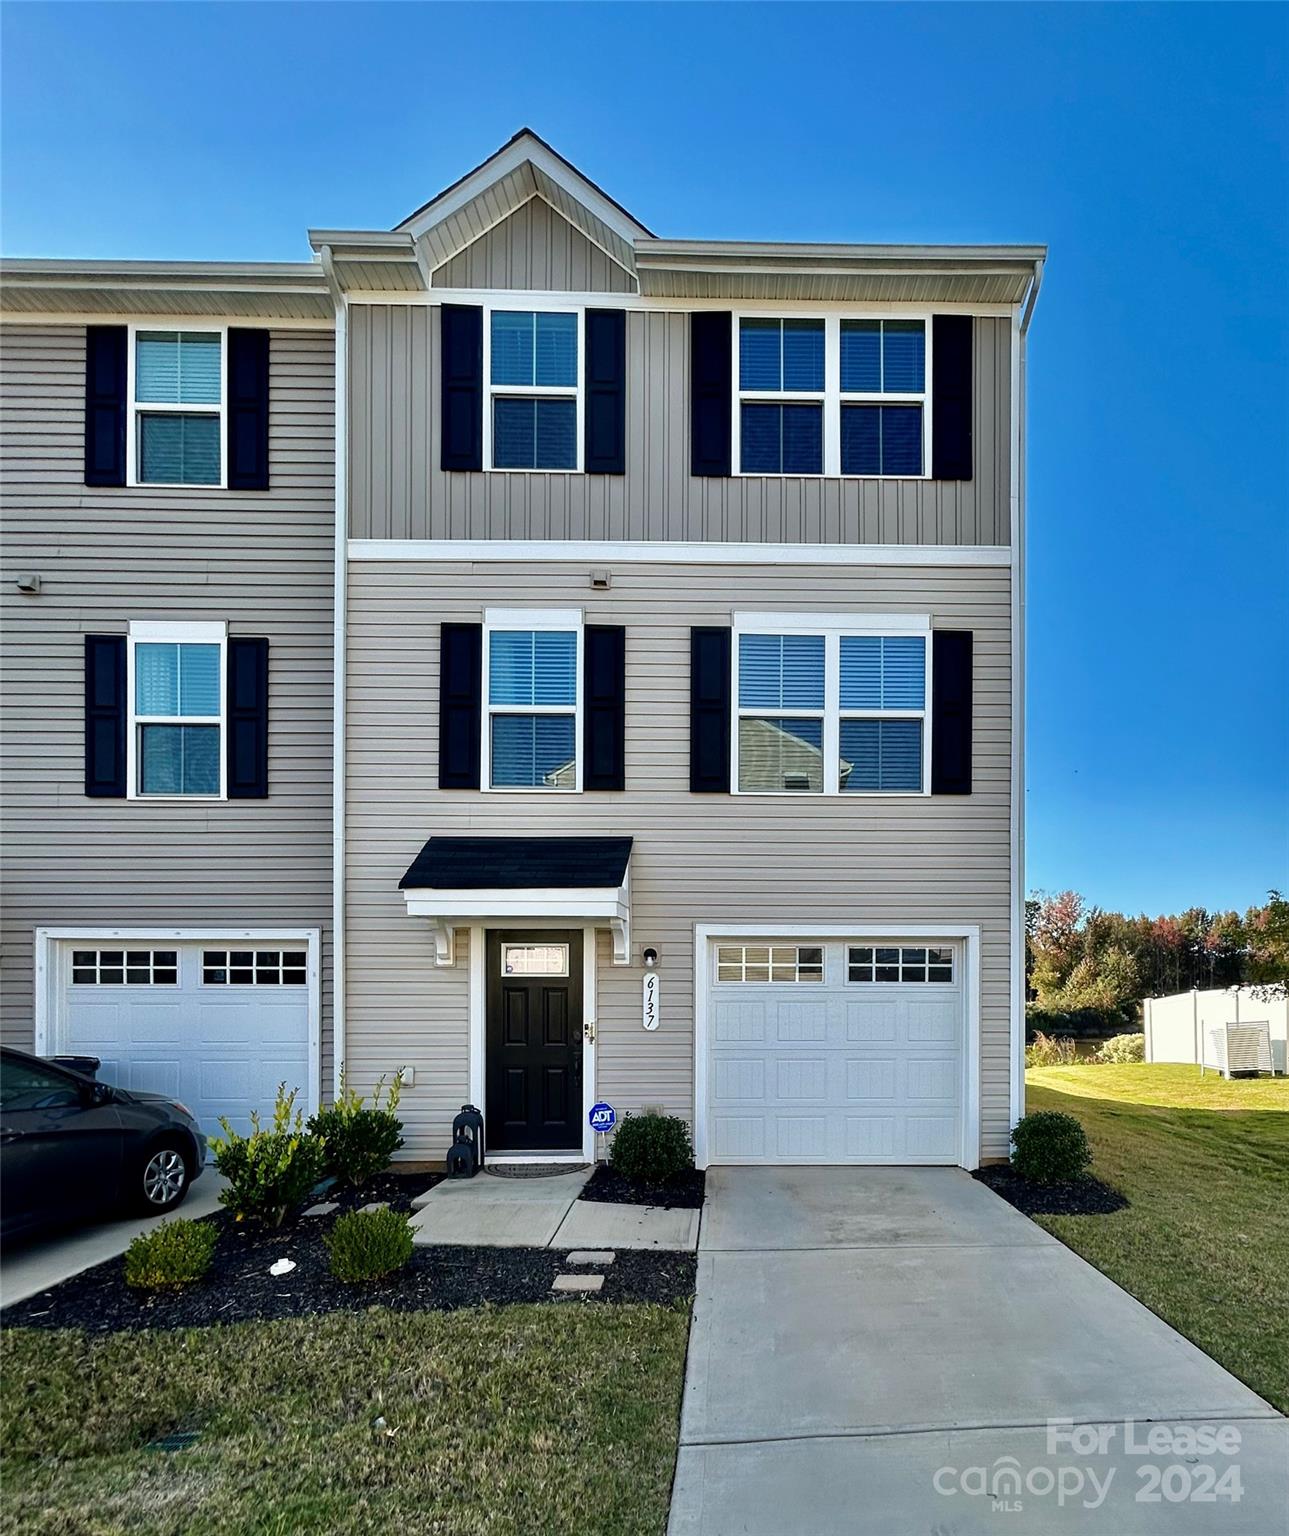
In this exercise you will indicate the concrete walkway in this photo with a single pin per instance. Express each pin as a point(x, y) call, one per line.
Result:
point(494, 1211)
point(873, 1350)
point(34, 1264)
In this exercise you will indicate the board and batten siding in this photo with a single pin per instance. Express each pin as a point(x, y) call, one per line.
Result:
point(398, 491)
point(534, 247)
point(697, 858)
point(262, 561)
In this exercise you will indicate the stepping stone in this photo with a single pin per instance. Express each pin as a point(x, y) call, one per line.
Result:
point(376, 1205)
point(323, 1208)
point(589, 1256)
point(577, 1283)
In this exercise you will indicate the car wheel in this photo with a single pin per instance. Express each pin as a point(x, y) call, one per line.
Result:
point(162, 1181)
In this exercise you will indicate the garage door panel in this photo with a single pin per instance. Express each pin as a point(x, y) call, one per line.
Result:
point(837, 1070)
point(220, 1049)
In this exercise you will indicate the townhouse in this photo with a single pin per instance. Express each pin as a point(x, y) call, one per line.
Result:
point(641, 715)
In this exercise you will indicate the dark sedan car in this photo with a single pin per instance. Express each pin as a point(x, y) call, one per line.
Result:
point(73, 1147)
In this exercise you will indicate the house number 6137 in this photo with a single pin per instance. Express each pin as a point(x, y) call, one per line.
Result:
point(649, 1000)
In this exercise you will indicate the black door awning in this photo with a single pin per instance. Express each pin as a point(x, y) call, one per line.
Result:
point(464, 881)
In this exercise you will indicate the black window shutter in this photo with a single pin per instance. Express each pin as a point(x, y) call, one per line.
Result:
point(606, 392)
point(951, 343)
point(105, 722)
point(460, 704)
point(248, 410)
point(247, 748)
point(105, 406)
point(951, 712)
point(461, 387)
point(710, 382)
point(709, 711)
point(604, 730)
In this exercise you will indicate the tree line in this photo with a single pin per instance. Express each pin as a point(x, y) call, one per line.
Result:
point(1079, 957)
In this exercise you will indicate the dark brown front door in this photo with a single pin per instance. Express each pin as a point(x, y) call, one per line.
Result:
point(534, 1041)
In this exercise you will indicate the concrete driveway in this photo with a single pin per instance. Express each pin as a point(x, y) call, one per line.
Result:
point(34, 1264)
point(880, 1350)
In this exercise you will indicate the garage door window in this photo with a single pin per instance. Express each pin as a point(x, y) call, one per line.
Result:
point(125, 968)
point(769, 962)
point(253, 967)
point(895, 963)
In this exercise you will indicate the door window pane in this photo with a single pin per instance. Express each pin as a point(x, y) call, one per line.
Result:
point(534, 959)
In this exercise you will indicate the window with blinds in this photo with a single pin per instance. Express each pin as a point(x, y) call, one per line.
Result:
point(831, 712)
point(832, 395)
point(178, 407)
point(533, 691)
point(177, 692)
point(534, 378)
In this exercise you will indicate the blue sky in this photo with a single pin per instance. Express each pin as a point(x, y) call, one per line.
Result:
point(1149, 146)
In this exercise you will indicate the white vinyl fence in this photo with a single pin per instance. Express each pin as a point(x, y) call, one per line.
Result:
point(1180, 1028)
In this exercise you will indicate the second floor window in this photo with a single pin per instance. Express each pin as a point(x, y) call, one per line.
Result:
point(533, 688)
point(830, 710)
point(178, 408)
point(534, 373)
point(177, 705)
point(831, 396)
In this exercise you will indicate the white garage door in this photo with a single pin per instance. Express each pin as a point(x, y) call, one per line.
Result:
point(835, 1052)
point(216, 1024)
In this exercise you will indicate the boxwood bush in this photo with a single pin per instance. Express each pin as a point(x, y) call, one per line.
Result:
point(272, 1169)
point(172, 1255)
point(1050, 1148)
point(651, 1149)
point(368, 1245)
point(360, 1140)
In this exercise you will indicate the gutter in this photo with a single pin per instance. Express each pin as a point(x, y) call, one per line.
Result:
point(339, 631)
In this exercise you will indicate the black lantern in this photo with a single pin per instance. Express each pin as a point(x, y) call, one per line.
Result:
point(469, 1124)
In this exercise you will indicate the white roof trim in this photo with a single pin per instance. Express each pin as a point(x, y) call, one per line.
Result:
point(607, 906)
point(526, 149)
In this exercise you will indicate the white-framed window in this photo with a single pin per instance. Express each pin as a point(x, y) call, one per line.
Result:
point(769, 962)
point(125, 967)
point(532, 360)
point(532, 669)
point(253, 967)
point(176, 701)
point(831, 704)
point(534, 959)
point(177, 385)
point(902, 963)
point(836, 394)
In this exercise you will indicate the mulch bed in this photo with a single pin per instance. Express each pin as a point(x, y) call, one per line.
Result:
point(1079, 1197)
point(238, 1287)
point(684, 1193)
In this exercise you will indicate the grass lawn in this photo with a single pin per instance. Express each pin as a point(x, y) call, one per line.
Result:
point(520, 1420)
point(1205, 1240)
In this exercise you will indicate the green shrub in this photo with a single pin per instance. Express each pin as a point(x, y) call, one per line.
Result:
point(368, 1245)
point(172, 1255)
point(1122, 1048)
point(1047, 1051)
point(1050, 1148)
point(1081, 1023)
point(269, 1171)
point(360, 1140)
point(651, 1149)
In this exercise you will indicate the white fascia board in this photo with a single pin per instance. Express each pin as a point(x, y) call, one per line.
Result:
point(541, 905)
point(509, 159)
point(533, 618)
point(812, 623)
point(208, 633)
point(644, 551)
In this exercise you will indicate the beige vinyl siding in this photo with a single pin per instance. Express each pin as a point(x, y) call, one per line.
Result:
point(697, 858)
point(398, 491)
point(262, 561)
point(534, 248)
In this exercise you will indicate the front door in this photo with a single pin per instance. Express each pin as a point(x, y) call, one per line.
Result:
point(534, 1042)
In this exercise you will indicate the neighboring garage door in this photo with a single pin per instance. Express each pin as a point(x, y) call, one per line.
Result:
point(835, 1052)
point(215, 1024)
